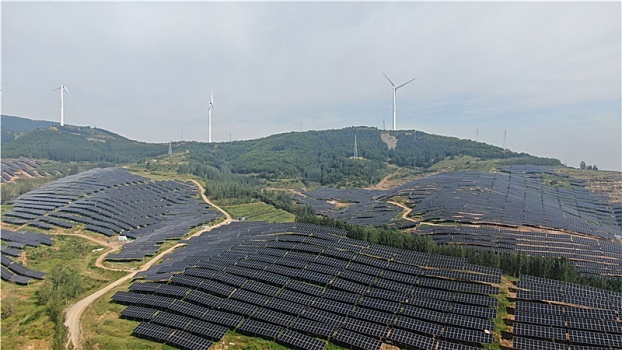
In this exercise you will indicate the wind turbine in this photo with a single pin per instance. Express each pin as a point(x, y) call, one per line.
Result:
point(62, 89)
point(395, 98)
point(209, 117)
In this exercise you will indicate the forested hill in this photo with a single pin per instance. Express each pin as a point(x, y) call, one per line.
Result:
point(72, 143)
point(13, 127)
point(325, 157)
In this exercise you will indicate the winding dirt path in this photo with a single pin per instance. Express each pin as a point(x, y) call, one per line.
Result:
point(406, 211)
point(74, 313)
point(202, 191)
point(383, 184)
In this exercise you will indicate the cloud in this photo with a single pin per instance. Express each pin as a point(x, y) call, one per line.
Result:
point(145, 70)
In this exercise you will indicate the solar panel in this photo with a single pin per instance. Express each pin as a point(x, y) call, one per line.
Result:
point(368, 328)
point(417, 325)
point(222, 318)
point(273, 316)
point(206, 329)
point(261, 329)
point(153, 331)
point(297, 340)
point(355, 340)
point(184, 340)
point(535, 344)
point(405, 338)
point(138, 313)
point(314, 328)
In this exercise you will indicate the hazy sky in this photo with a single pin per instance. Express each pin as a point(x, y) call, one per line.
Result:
point(548, 73)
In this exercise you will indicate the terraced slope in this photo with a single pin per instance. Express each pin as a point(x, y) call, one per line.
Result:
point(13, 169)
point(113, 201)
point(513, 210)
point(13, 243)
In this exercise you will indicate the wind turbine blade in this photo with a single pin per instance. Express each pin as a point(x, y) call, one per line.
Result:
point(388, 80)
point(406, 83)
point(71, 97)
point(58, 88)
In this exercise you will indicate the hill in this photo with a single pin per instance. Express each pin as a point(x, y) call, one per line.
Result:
point(13, 127)
point(73, 143)
point(325, 157)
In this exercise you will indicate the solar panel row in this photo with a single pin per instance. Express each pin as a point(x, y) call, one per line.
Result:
point(112, 201)
point(558, 315)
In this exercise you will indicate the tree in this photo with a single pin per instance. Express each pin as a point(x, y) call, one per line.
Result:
point(582, 165)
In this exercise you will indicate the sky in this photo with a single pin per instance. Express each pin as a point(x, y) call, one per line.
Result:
point(546, 75)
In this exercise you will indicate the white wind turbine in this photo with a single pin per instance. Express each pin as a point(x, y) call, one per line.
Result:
point(62, 89)
point(209, 117)
point(395, 98)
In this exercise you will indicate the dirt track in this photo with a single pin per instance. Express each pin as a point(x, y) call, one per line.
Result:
point(74, 313)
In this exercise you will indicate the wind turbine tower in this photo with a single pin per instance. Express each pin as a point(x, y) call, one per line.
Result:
point(395, 98)
point(209, 117)
point(505, 139)
point(356, 149)
point(62, 89)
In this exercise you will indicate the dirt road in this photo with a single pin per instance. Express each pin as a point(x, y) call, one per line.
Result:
point(406, 211)
point(74, 313)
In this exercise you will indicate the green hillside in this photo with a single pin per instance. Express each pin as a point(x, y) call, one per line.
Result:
point(82, 144)
point(326, 157)
point(13, 127)
point(322, 157)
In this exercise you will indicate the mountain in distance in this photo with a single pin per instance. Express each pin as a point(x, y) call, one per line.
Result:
point(49, 140)
point(325, 157)
point(13, 127)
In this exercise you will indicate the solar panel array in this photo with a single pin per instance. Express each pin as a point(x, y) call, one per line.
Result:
point(304, 285)
point(499, 203)
point(558, 315)
point(514, 197)
point(113, 201)
point(617, 211)
point(23, 167)
point(360, 206)
point(588, 254)
point(13, 243)
point(509, 199)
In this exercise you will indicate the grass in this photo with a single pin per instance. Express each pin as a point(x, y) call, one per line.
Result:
point(259, 211)
point(236, 341)
point(286, 184)
point(555, 181)
point(25, 323)
point(12, 190)
point(456, 163)
point(502, 312)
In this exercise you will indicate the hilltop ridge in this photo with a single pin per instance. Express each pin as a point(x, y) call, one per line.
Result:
point(324, 157)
